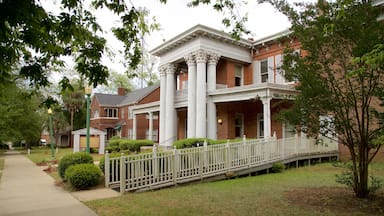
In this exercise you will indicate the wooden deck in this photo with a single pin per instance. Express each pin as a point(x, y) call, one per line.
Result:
point(166, 168)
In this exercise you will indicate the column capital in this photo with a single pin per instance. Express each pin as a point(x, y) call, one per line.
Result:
point(266, 100)
point(213, 58)
point(201, 56)
point(190, 59)
point(171, 68)
point(162, 70)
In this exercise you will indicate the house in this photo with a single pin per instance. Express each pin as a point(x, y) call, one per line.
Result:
point(216, 87)
point(113, 114)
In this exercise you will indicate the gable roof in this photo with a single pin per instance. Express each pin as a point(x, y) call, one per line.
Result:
point(129, 98)
point(139, 94)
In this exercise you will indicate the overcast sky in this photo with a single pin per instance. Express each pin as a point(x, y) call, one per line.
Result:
point(175, 17)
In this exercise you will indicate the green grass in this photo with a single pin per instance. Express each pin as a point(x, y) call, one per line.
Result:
point(257, 195)
point(43, 154)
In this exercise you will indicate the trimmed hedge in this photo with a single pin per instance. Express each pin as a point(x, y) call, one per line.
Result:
point(118, 145)
point(72, 159)
point(83, 176)
point(102, 161)
point(192, 142)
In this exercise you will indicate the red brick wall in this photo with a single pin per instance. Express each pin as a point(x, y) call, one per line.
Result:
point(181, 119)
point(221, 72)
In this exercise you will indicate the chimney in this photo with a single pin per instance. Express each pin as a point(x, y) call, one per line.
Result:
point(121, 91)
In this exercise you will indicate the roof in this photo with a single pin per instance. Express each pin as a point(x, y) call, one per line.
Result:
point(129, 98)
point(109, 99)
point(135, 96)
point(198, 31)
point(92, 131)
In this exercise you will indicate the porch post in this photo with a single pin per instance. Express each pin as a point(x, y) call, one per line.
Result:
point(201, 100)
point(267, 117)
point(163, 96)
point(150, 127)
point(211, 106)
point(170, 112)
point(191, 113)
point(134, 127)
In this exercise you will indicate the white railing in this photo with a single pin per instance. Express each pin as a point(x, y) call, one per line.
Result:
point(161, 169)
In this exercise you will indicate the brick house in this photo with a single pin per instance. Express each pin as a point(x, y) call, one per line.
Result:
point(113, 113)
point(216, 87)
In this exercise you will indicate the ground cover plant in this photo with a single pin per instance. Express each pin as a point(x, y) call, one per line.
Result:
point(303, 191)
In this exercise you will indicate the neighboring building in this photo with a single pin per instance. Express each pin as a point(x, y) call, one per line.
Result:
point(216, 87)
point(113, 114)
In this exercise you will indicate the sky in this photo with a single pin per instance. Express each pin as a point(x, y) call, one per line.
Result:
point(175, 18)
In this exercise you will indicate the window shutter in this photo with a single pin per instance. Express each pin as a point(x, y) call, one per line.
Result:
point(279, 72)
point(256, 72)
point(271, 67)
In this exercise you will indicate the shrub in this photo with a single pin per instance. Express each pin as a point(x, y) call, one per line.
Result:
point(83, 176)
point(124, 145)
point(72, 159)
point(278, 167)
point(102, 161)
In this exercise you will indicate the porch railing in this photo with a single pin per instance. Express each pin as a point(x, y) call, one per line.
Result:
point(165, 168)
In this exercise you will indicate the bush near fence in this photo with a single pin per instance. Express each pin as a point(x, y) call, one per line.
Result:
point(127, 145)
point(73, 159)
point(194, 142)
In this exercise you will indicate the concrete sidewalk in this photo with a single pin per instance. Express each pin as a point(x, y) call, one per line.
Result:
point(26, 190)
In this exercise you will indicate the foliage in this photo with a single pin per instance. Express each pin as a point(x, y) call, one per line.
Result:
point(73, 99)
point(35, 40)
point(21, 118)
point(115, 81)
point(117, 145)
point(278, 167)
point(192, 142)
point(339, 74)
point(83, 176)
point(72, 159)
point(102, 161)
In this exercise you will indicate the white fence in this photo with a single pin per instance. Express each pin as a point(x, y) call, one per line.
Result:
point(161, 169)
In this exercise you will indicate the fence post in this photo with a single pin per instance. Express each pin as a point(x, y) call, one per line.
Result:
point(229, 160)
point(296, 144)
point(122, 173)
point(154, 162)
point(106, 169)
point(205, 164)
point(175, 164)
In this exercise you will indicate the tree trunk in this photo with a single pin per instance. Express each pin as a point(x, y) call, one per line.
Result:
point(361, 183)
point(70, 134)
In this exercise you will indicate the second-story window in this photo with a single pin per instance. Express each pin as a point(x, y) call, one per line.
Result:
point(110, 112)
point(238, 75)
point(264, 70)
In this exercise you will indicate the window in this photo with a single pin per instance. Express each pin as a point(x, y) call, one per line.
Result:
point(122, 113)
point(154, 116)
point(184, 84)
point(110, 112)
point(238, 75)
point(239, 125)
point(154, 135)
point(260, 125)
point(96, 114)
point(130, 133)
point(264, 70)
point(130, 114)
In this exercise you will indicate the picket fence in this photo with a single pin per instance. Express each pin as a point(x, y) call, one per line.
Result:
point(165, 168)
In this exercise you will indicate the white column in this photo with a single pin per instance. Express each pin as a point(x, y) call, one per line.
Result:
point(163, 96)
point(170, 112)
point(134, 127)
point(150, 126)
point(211, 106)
point(201, 110)
point(191, 113)
point(267, 117)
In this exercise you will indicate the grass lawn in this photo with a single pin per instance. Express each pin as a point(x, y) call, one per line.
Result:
point(304, 191)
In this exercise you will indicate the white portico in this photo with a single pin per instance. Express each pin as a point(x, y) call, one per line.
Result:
point(198, 52)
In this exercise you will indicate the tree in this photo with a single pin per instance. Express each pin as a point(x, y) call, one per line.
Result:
point(73, 99)
point(341, 74)
point(33, 40)
point(117, 80)
point(21, 116)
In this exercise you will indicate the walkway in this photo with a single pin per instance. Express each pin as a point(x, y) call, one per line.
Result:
point(26, 190)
